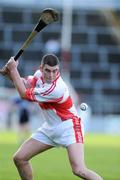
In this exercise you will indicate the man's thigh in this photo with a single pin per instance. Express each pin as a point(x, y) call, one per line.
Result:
point(32, 147)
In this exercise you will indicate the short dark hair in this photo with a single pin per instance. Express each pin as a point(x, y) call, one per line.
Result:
point(50, 59)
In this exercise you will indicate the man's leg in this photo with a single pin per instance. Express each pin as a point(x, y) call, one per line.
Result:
point(29, 149)
point(76, 157)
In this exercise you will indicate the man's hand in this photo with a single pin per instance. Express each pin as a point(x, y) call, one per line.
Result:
point(5, 71)
point(11, 64)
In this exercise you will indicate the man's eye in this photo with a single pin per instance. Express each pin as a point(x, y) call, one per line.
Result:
point(47, 70)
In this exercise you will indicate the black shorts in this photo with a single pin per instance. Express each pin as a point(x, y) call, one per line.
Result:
point(24, 116)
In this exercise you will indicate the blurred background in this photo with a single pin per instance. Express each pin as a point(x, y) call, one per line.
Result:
point(87, 41)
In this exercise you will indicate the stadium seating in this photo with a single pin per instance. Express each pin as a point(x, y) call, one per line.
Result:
point(95, 60)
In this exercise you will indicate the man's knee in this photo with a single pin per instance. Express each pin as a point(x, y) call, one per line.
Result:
point(80, 172)
point(18, 159)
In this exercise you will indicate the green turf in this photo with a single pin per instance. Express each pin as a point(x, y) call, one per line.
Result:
point(102, 153)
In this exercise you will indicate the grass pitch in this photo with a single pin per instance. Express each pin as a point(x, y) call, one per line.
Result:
point(102, 154)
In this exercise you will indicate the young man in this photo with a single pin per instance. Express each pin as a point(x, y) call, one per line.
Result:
point(62, 126)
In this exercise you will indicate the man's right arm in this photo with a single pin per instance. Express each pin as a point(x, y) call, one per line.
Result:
point(15, 76)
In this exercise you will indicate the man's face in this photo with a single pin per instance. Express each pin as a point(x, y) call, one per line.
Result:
point(49, 73)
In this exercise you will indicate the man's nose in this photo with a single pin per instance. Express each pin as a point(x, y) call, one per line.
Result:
point(51, 73)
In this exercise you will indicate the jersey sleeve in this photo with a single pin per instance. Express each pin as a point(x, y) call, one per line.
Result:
point(31, 80)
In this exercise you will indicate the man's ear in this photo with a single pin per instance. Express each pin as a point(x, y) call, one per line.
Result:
point(41, 68)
